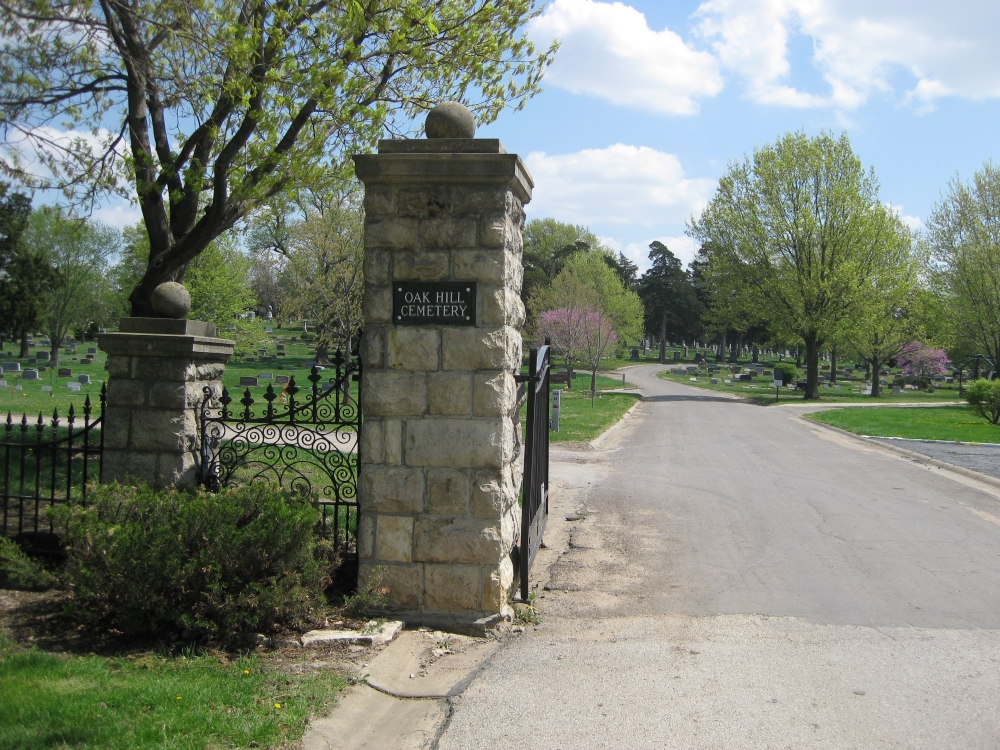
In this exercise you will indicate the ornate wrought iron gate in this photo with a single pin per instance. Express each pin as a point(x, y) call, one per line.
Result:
point(304, 442)
point(535, 492)
point(47, 463)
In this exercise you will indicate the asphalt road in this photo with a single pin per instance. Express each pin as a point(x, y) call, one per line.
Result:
point(743, 578)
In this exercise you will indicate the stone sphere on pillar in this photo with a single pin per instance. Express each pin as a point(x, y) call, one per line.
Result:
point(450, 120)
point(171, 300)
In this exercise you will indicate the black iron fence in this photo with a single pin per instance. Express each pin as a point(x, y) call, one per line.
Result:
point(303, 439)
point(535, 490)
point(46, 462)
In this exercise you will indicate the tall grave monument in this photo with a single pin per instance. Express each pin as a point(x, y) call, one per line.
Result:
point(440, 448)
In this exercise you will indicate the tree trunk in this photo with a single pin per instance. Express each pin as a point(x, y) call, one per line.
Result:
point(876, 384)
point(833, 365)
point(24, 345)
point(756, 355)
point(54, 354)
point(663, 338)
point(720, 356)
point(593, 381)
point(798, 357)
point(812, 368)
point(323, 355)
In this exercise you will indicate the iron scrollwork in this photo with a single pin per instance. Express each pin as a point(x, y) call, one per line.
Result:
point(303, 439)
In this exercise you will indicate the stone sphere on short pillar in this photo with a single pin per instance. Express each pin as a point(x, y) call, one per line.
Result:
point(171, 300)
point(450, 120)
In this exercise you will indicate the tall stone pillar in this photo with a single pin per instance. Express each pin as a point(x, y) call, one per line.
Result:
point(440, 446)
point(157, 369)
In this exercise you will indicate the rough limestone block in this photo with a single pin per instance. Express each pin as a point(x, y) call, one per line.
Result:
point(496, 584)
point(393, 437)
point(495, 230)
point(447, 233)
point(373, 347)
point(377, 267)
point(501, 306)
point(371, 442)
point(402, 582)
point(425, 203)
point(127, 392)
point(162, 430)
point(447, 492)
point(451, 442)
point(449, 393)
point(410, 266)
point(480, 200)
point(392, 233)
point(377, 304)
point(379, 200)
point(172, 395)
point(480, 349)
point(119, 367)
point(164, 368)
point(393, 394)
point(451, 587)
point(391, 489)
point(487, 267)
point(464, 540)
point(413, 349)
point(493, 394)
point(492, 493)
point(115, 426)
point(366, 536)
point(373, 634)
point(394, 538)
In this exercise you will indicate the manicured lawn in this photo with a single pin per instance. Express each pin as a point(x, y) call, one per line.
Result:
point(959, 423)
point(127, 703)
point(762, 391)
point(583, 419)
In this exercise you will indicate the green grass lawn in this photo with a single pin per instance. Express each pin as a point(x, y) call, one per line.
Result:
point(581, 418)
point(762, 391)
point(959, 423)
point(129, 703)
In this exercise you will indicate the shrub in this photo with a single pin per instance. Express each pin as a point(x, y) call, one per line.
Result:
point(20, 571)
point(158, 562)
point(984, 396)
point(786, 372)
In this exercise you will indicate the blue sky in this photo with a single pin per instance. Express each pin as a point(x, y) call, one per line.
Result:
point(647, 102)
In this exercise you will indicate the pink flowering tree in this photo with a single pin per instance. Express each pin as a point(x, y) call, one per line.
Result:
point(564, 329)
point(923, 362)
point(599, 338)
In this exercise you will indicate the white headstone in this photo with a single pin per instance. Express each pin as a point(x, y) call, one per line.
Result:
point(72, 386)
point(46, 388)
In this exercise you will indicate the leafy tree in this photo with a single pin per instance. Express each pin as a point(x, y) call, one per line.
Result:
point(963, 235)
point(984, 397)
point(923, 362)
point(323, 278)
point(547, 245)
point(671, 304)
point(888, 318)
point(622, 306)
point(801, 226)
point(81, 253)
point(213, 107)
point(24, 274)
point(627, 271)
point(560, 311)
point(598, 338)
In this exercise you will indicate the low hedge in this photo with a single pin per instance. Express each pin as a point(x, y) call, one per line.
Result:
point(202, 566)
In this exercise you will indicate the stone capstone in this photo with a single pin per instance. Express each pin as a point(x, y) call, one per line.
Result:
point(171, 300)
point(450, 120)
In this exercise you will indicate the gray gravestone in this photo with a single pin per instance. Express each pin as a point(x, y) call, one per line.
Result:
point(46, 388)
point(281, 379)
point(265, 376)
point(73, 386)
point(29, 375)
point(248, 380)
point(11, 366)
point(83, 379)
point(65, 372)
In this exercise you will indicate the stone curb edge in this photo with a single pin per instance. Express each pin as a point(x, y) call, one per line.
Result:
point(918, 457)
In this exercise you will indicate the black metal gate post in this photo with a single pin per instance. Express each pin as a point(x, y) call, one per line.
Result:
point(535, 492)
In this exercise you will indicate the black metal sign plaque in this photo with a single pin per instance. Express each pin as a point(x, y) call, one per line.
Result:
point(421, 303)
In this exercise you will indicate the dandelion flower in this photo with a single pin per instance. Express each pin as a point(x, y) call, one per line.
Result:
point(277, 705)
point(246, 671)
point(178, 697)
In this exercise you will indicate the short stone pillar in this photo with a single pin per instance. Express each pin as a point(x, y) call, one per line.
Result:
point(440, 444)
point(157, 368)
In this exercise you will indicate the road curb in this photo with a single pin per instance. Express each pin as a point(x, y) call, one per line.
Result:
point(918, 457)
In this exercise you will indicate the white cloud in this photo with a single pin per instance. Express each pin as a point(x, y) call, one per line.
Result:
point(609, 51)
point(915, 223)
point(859, 48)
point(119, 216)
point(620, 184)
point(31, 149)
